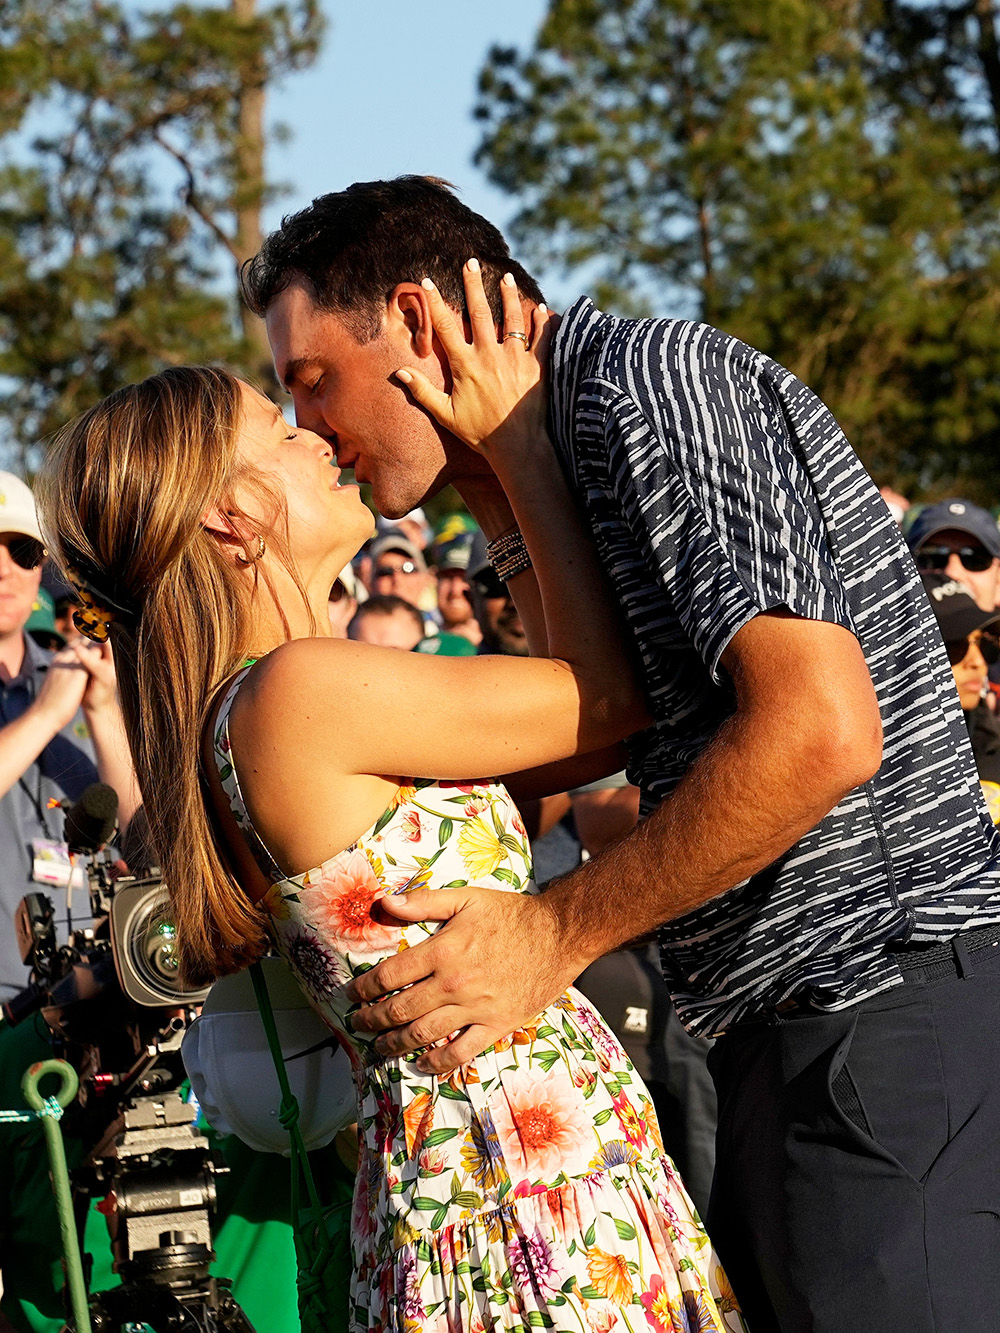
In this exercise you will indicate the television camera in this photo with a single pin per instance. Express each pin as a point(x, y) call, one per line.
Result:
point(116, 1007)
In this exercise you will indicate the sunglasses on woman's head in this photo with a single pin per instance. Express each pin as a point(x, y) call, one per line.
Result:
point(26, 552)
point(988, 644)
point(934, 558)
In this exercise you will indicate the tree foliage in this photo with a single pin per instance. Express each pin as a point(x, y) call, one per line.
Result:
point(820, 177)
point(132, 173)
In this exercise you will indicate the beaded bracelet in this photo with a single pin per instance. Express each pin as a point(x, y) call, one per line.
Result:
point(508, 554)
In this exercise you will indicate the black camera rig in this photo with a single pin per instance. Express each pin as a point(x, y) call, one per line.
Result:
point(116, 1008)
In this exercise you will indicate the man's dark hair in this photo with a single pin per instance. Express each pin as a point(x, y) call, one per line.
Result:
point(385, 605)
point(353, 248)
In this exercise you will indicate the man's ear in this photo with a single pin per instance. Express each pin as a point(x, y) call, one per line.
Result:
point(408, 317)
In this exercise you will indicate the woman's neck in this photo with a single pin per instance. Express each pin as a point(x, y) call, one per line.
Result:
point(296, 619)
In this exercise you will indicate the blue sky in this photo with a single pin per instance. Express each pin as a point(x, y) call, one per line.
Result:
point(393, 92)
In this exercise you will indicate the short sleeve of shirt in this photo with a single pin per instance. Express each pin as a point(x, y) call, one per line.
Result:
point(712, 474)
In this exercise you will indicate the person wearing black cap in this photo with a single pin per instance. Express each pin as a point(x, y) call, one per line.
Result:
point(453, 560)
point(973, 646)
point(957, 538)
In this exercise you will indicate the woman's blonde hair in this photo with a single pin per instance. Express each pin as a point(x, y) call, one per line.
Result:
point(123, 495)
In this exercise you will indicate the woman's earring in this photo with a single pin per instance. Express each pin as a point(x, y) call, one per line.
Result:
point(243, 559)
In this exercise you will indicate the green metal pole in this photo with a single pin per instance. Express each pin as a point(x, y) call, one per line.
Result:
point(60, 1176)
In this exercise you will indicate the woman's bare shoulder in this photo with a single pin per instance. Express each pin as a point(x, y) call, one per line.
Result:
point(297, 683)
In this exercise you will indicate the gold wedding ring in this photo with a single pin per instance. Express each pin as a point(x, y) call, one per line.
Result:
point(522, 336)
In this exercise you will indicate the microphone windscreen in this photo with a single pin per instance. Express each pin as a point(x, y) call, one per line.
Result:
point(90, 822)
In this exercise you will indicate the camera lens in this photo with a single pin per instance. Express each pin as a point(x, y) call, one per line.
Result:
point(144, 936)
point(161, 949)
point(152, 945)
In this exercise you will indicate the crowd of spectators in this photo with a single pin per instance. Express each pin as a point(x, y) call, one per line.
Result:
point(956, 546)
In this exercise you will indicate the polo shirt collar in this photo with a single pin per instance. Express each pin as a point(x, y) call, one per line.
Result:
point(581, 332)
point(35, 659)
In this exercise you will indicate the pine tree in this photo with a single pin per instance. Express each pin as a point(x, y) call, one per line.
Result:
point(131, 190)
point(819, 177)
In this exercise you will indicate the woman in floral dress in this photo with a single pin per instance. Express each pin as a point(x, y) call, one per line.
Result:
point(529, 1188)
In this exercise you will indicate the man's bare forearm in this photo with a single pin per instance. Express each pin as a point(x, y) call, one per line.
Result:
point(742, 804)
point(22, 741)
point(114, 760)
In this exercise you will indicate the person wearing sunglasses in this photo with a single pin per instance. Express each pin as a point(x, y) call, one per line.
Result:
point(961, 540)
point(972, 640)
point(60, 729)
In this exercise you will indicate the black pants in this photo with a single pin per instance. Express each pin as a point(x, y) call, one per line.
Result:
point(858, 1173)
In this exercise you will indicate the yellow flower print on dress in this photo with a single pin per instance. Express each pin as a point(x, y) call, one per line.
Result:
point(610, 1275)
point(275, 903)
point(418, 1121)
point(727, 1301)
point(480, 848)
point(633, 1128)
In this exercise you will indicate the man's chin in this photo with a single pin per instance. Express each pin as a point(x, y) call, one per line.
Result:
point(394, 501)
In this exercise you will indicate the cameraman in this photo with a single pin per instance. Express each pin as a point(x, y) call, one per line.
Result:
point(60, 727)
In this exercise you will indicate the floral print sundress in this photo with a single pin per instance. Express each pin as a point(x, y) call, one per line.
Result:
point(528, 1189)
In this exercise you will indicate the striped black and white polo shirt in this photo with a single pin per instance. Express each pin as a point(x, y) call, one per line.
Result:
point(719, 486)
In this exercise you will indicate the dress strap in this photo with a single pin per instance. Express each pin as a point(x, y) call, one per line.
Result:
point(229, 780)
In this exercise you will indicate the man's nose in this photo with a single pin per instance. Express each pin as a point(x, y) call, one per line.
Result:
point(955, 569)
point(309, 417)
point(974, 657)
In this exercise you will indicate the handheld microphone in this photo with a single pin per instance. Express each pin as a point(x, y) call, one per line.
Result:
point(90, 822)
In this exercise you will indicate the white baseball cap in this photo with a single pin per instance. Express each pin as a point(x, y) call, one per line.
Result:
point(17, 507)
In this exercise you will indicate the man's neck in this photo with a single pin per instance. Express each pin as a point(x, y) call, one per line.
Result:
point(12, 650)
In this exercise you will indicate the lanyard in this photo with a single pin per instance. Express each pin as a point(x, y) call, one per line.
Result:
point(34, 797)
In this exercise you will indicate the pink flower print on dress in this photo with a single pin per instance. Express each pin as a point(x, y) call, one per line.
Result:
point(431, 1162)
point(410, 827)
point(606, 1048)
point(533, 1266)
point(387, 1120)
point(660, 1309)
point(601, 1320)
point(475, 806)
point(541, 1123)
point(362, 1220)
point(582, 1078)
point(524, 1188)
point(338, 904)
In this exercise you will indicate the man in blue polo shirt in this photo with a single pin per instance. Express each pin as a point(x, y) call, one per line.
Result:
point(828, 902)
